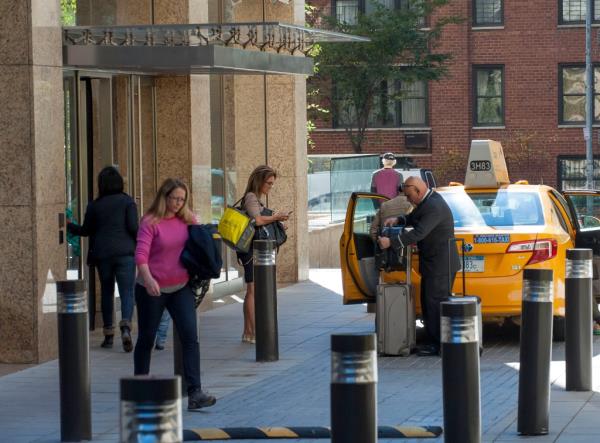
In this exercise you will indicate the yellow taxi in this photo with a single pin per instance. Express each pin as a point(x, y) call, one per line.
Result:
point(506, 228)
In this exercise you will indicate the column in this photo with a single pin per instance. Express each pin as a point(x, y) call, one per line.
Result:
point(32, 178)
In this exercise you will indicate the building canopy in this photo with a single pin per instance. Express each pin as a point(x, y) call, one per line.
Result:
point(226, 48)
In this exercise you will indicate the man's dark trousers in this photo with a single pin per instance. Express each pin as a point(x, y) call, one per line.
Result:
point(434, 290)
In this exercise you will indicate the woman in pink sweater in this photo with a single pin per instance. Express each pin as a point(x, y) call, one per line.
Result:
point(162, 283)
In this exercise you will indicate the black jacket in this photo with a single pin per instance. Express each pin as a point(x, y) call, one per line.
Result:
point(111, 222)
point(433, 226)
point(201, 255)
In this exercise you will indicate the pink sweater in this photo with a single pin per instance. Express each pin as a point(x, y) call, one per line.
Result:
point(159, 245)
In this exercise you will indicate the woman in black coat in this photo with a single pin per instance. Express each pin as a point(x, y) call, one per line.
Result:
point(111, 222)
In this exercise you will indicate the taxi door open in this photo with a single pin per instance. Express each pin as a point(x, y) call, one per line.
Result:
point(585, 211)
point(357, 249)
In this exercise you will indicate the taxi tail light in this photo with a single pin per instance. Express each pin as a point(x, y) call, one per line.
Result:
point(542, 250)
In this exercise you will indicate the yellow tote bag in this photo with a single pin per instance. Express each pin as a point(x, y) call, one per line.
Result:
point(236, 229)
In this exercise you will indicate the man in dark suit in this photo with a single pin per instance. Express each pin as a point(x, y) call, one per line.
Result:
point(433, 226)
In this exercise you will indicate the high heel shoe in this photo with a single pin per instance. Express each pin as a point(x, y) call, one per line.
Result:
point(247, 338)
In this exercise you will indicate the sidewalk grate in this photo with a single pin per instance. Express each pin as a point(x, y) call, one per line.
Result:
point(205, 434)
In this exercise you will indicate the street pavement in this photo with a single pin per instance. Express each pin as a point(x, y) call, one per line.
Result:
point(294, 391)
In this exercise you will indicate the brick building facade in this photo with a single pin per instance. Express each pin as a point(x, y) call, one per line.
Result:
point(536, 49)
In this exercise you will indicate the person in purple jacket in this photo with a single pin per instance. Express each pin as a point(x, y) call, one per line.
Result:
point(387, 180)
point(163, 283)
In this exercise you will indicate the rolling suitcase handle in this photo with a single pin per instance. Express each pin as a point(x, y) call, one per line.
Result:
point(452, 243)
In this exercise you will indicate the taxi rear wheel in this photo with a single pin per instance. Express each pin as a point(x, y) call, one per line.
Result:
point(558, 329)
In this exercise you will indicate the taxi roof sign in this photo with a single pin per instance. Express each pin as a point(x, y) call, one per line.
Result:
point(486, 167)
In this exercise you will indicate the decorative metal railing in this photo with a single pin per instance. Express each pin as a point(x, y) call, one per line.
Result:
point(270, 36)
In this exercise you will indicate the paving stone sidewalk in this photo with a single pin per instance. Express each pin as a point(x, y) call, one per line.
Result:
point(295, 390)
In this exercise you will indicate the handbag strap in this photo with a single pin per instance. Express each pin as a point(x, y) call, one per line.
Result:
point(235, 204)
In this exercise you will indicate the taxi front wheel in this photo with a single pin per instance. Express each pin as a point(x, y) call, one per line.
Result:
point(558, 329)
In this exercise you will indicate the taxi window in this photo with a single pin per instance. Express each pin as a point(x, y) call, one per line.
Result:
point(364, 212)
point(495, 209)
point(559, 216)
point(587, 208)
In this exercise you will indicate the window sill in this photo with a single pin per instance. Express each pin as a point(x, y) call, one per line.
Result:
point(475, 128)
point(576, 25)
point(577, 126)
point(487, 27)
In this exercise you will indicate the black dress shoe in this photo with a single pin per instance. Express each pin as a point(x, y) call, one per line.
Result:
point(198, 399)
point(108, 341)
point(428, 351)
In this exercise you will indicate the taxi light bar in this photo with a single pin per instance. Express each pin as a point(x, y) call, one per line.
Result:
point(543, 249)
point(521, 182)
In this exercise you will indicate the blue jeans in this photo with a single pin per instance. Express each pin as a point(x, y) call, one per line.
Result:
point(163, 328)
point(121, 269)
point(180, 305)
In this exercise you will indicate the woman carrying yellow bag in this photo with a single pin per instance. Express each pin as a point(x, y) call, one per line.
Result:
point(259, 185)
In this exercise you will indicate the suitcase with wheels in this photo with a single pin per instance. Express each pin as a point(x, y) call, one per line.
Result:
point(395, 316)
point(452, 243)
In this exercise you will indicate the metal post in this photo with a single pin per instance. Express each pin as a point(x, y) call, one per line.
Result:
point(353, 388)
point(73, 361)
point(151, 410)
point(589, 100)
point(460, 371)
point(535, 352)
point(265, 301)
point(578, 310)
point(178, 360)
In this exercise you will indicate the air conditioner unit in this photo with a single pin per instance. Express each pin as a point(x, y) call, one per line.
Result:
point(417, 140)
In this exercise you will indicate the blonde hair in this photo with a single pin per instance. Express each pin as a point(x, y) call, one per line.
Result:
point(158, 208)
point(258, 178)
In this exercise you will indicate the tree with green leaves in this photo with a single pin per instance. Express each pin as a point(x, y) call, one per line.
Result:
point(68, 9)
point(401, 51)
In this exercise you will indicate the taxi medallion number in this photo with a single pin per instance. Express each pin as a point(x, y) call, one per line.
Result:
point(474, 263)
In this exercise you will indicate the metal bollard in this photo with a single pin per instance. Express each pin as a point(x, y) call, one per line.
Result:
point(151, 410)
point(353, 388)
point(73, 361)
point(535, 352)
point(460, 370)
point(178, 360)
point(265, 301)
point(578, 313)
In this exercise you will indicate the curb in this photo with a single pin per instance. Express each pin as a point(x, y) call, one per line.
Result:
point(206, 434)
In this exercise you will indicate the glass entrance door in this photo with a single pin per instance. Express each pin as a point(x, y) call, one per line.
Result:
point(109, 120)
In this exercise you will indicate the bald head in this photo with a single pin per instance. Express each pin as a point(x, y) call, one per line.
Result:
point(415, 189)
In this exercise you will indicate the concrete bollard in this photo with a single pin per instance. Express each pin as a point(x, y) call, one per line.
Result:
point(151, 410)
point(535, 352)
point(460, 370)
point(353, 388)
point(578, 313)
point(265, 301)
point(73, 361)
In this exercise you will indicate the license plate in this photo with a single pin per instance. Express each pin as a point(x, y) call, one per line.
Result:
point(474, 263)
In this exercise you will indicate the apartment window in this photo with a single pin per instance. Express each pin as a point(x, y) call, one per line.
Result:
point(572, 92)
point(488, 94)
point(572, 172)
point(573, 11)
point(488, 12)
point(387, 111)
point(346, 11)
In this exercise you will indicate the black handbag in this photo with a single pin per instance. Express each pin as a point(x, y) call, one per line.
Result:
point(272, 231)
